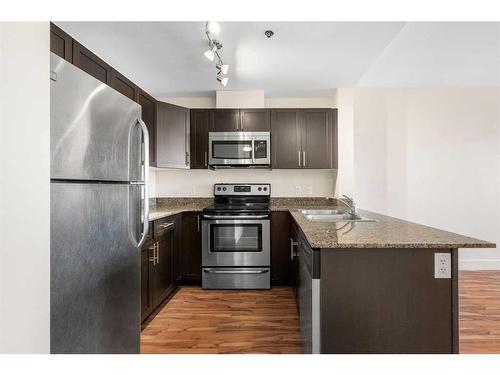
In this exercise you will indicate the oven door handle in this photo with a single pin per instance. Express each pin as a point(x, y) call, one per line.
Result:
point(233, 272)
point(224, 217)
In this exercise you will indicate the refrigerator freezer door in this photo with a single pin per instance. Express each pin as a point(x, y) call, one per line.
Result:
point(95, 268)
point(94, 130)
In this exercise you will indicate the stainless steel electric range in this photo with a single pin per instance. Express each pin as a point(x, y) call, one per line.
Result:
point(236, 249)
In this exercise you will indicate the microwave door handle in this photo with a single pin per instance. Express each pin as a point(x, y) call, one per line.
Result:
point(253, 151)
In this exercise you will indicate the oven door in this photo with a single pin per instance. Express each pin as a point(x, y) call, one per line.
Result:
point(236, 243)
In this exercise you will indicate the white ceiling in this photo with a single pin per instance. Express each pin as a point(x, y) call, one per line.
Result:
point(302, 59)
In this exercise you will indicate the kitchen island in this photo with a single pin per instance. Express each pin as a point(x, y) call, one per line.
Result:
point(388, 286)
point(365, 287)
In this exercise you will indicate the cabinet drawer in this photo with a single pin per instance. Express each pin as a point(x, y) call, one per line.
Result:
point(162, 227)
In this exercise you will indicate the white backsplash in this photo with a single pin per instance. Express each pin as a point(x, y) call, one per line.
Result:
point(199, 183)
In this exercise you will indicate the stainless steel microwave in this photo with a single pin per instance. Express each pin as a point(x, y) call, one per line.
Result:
point(239, 149)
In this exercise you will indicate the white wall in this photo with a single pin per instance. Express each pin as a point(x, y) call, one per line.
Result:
point(432, 156)
point(345, 176)
point(239, 99)
point(199, 183)
point(24, 187)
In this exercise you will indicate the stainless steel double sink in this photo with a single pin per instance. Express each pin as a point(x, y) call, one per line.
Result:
point(331, 216)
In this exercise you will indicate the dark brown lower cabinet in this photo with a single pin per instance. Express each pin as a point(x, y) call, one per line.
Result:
point(177, 248)
point(387, 301)
point(146, 280)
point(281, 260)
point(191, 248)
point(159, 264)
point(162, 275)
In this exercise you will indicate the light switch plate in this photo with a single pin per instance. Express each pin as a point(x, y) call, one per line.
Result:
point(442, 265)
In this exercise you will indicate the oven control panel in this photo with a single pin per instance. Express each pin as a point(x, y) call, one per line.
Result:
point(242, 189)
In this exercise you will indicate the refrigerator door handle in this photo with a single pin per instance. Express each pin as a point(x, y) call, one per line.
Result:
point(145, 181)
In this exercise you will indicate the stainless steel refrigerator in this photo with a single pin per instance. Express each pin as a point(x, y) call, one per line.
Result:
point(99, 196)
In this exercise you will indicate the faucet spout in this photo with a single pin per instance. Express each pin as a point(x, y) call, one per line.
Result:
point(349, 203)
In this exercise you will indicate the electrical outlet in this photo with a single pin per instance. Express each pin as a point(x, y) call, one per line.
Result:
point(309, 191)
point(442, 265)
point(298, 190)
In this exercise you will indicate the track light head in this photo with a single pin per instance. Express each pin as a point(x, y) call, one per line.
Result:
point(223, 68)
point(210, 54)
point(222, 80)
point(212, 27)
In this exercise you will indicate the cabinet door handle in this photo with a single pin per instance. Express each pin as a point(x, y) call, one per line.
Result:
point(206, 159)
point(152, 259)
point(198, 220)
point(300, 164)
point(187, 158)
point(167, 225)
point(157, 253)
point(292, 245)
point(304, 160)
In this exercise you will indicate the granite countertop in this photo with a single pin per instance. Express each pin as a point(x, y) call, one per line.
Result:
point(385, 232)
point(172, 206)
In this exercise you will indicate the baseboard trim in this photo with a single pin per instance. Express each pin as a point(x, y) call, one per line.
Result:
point(479, 264)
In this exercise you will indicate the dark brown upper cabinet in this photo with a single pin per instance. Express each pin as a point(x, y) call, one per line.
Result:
point(90, 63)
point(304, 138)
point(225, 120)
point(124, 86)
point(172, 136)
point(285, 138)
point(199, 138)
point(255, 120)
point(148, 104)
point(61, 43)
point(318, 136)
point(233, 120)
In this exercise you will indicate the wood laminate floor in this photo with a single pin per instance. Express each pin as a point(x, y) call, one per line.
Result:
point(225, 321)
point(479, 311)
point(206, 321)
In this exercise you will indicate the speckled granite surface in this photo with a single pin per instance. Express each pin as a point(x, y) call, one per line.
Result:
point(163, 207)
point(386, 232)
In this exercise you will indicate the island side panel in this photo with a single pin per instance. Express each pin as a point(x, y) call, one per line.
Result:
point(455, 300)
point(385, 301)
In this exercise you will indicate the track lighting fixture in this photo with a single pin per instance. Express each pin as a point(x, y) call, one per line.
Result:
point(223, 80)
point(213, 28)
point(210, 54)
point(223, 68)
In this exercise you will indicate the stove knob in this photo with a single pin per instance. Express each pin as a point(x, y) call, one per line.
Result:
point(265, 188)
point(218, 189)
point(224, 188)
point(260, 189)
